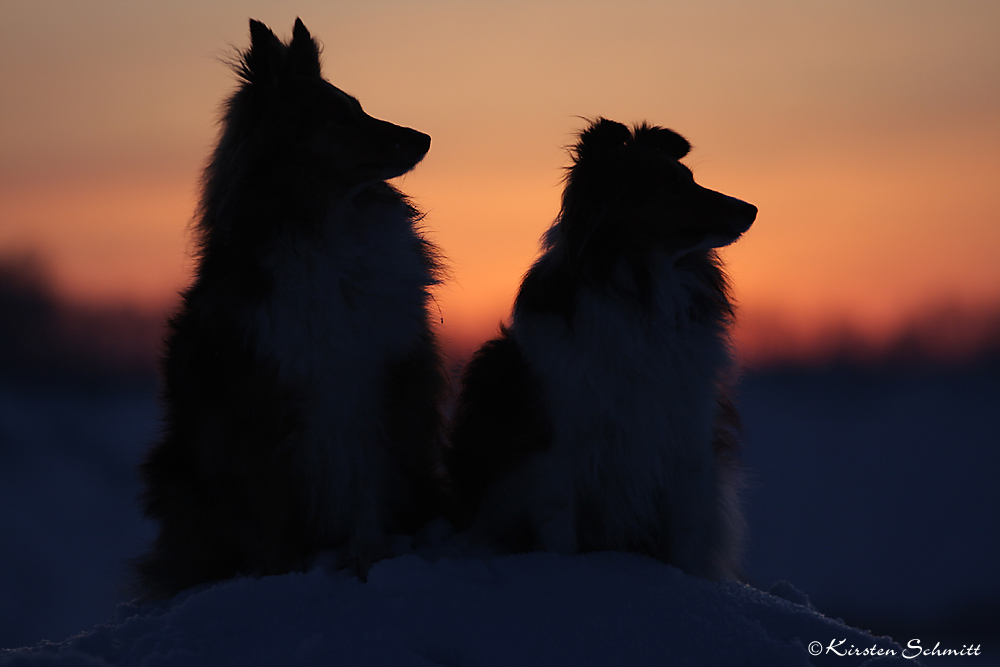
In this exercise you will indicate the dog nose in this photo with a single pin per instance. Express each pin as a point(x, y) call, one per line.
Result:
point(423, 141)
point(743, 210)
point(411, 141)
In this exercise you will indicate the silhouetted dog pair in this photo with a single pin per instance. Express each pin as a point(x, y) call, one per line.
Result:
point(303, 383)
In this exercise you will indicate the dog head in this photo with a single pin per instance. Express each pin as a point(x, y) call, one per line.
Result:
point(285, 104)
point(627, 190)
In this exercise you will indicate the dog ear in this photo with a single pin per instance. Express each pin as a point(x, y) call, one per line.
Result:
point(303, 50)
point(604, 138)
point(661, 138)
point(262, 61)
point(674, 144)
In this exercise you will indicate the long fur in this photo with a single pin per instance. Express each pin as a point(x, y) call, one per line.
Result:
point(301, 374)
point(600, 418)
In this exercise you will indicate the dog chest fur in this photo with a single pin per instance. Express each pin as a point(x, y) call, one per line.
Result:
point(342, 307)
point(631, 396)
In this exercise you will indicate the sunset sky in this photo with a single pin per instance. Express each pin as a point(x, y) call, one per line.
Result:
point(866, 132)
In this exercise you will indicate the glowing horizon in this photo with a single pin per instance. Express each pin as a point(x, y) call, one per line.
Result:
point(866, 135)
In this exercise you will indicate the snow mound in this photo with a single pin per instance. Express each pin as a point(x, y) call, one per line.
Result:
point(531, 609)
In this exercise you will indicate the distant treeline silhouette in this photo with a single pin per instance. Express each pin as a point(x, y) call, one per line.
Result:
point(44, 338)
point(942, 335)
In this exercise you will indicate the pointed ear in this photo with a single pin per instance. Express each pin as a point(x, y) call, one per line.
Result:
point(304, 51)
point(299, 30)
point(259, 34)
point(261, 62)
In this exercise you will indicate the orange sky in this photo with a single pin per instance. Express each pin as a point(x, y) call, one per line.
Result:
point(866, 132)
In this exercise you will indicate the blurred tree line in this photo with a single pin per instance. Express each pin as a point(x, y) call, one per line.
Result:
point(45, 339)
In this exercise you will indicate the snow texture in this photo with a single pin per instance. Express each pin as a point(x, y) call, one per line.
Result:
point(875, 494)
point(532, 609)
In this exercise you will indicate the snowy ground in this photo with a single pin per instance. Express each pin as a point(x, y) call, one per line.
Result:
point(877, 494)
point(872, 493)
point(534, 609)
point(67, 506)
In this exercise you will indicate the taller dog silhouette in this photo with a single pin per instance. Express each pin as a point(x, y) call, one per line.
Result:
point(301, 373)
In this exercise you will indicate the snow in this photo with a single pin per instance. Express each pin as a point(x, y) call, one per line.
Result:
point(532, 609)
point(872, 493)
point(888, 480)
point(68, 515)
